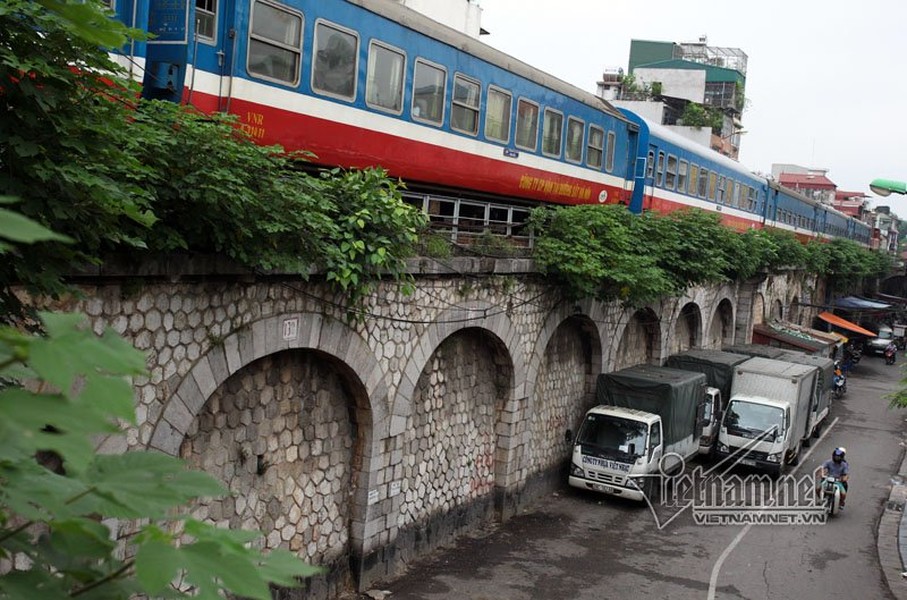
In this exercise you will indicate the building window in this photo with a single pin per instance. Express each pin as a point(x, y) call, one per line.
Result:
point(384, 86)
point(336, 52)
point(428, 92)
point(552, 132)
point(275, 43)
point(609, 157)
point(206, 19)
point(595, 147)
point(575, 131)
point(464, 110)
point(497, 115)
point(527, 125)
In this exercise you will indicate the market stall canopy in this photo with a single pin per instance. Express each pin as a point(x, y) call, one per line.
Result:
point(855, 302)
point(779, 335)
point(844, 324)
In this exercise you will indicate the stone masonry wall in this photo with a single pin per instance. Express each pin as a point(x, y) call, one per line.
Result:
point(365, 443)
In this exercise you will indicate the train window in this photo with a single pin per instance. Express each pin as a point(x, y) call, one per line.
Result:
point(574, 148)
point(206, 19)
point(497, 115)
point(752, 199)
point(713, 185)
point(609, 158)
point(527, 125)
point(720, 196)
point(671, 172)
point(384, 85)
point(552, 132)
point(735, 194)
point(650, 164)
point(694, 180)
point(595, 147)
point(703, 182)
point(429, 82)
point(464, 106)
point(275, 43)
point(682, 169)
point(660, 170)
point(334, 70)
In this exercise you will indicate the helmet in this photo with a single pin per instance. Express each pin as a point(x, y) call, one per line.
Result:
point(838, 454)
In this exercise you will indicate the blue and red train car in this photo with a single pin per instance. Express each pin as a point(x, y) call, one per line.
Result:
point(479, 137)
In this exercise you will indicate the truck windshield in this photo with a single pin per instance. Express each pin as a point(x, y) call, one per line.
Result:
point(750, 420)
point(612, 437)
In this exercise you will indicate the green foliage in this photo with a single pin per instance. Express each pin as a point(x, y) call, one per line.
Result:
point(125, 177)
point(697, 115)
point(58, 497)
point(58, 518)
point(605, 252)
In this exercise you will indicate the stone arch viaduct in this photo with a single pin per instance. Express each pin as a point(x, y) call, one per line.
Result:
point(359, 444)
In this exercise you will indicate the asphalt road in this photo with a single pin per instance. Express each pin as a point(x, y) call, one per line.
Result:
point(578, 545)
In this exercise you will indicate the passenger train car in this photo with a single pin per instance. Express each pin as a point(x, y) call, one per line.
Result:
point(680, 173)
point(479, 137)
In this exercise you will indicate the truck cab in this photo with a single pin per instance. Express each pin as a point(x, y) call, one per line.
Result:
point(711, 415)
point(615, 449)
point(749, 418)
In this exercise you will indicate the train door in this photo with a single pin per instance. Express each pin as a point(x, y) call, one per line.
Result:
point(191, 54)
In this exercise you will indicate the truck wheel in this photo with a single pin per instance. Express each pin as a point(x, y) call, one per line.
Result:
point(795, 459)
point(818, 430)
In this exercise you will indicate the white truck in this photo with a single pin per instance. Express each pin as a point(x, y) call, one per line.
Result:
point(767, 417)
point(645, 414)
point(822, 390)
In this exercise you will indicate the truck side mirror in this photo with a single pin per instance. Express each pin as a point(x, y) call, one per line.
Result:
point(568, 436)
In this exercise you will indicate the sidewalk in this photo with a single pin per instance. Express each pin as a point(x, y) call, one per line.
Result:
point(892, 535)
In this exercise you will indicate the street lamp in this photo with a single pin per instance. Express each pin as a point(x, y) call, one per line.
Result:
point(886, 187)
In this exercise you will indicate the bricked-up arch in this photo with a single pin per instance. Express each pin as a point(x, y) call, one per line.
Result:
point(758, 309)
point(283, 435)
point(777, 310)
point(793, 313)
point(687, 328)
point(454, 436)
point(259, 339)
point(721, 331)
point(563, 388)
point(293, 331)
point(490, 317)
point(641, 340)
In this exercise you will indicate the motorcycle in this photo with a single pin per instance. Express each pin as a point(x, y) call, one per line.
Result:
point(831, 494)
point(839, 387)
point(890, 355)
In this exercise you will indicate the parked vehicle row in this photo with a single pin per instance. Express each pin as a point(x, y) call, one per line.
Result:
point(729, 406)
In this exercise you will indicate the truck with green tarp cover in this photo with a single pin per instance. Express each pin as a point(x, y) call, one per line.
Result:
point(645, 413)
point(718, 368)
point(752, 350)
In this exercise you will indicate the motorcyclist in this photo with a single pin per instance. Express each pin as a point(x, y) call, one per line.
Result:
point(836, 466)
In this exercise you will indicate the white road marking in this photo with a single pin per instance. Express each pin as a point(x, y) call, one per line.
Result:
point(716, 570)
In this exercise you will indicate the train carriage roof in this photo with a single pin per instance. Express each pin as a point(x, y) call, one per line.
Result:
point(438, 31)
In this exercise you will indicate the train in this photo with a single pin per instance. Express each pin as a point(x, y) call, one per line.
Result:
point(480, 138)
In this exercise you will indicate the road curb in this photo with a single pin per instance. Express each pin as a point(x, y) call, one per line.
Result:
point(891, 540)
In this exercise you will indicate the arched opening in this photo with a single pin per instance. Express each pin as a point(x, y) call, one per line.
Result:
point(641, 340)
